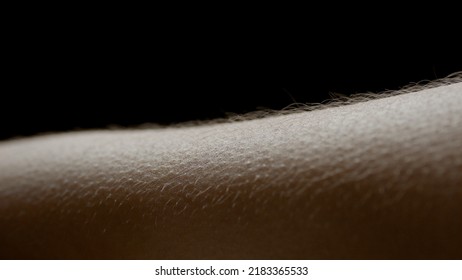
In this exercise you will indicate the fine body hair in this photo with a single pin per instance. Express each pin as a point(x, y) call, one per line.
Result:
point(346, 179)
point(336, 100)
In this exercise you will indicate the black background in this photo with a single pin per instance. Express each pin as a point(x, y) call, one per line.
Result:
point(60, 83)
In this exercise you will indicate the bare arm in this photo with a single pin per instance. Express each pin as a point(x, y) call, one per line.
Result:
point(378, 179)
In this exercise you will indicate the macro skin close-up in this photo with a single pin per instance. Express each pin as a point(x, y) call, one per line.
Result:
point(369, 177)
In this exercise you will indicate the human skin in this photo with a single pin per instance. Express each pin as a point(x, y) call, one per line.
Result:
point(380, 179)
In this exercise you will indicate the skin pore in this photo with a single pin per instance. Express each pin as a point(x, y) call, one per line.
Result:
point(380, 179)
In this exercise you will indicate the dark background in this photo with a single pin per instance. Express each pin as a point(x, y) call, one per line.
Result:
point(65, 84)
point(90, 66)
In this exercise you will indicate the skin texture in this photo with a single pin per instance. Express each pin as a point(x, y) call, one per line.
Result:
point(380, 179)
